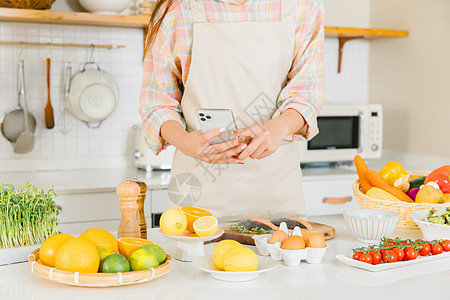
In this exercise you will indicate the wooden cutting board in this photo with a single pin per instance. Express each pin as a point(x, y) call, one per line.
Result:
point(246, 238)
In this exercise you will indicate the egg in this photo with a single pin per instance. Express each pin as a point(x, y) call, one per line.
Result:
point(294, 242)
point(278, 236)
point(316, 240)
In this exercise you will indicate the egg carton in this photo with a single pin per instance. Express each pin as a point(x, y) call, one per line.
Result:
point(291, 258)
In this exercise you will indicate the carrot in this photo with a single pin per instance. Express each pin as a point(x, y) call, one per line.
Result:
point(361, 168)
point(378, 181)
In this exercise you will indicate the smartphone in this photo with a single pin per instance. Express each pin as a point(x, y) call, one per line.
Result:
point(217, 118)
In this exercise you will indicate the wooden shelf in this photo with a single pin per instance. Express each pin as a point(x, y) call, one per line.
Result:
point(81, 18)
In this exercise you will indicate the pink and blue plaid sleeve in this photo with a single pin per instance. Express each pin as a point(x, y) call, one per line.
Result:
point(160, 95)
point(305, 89)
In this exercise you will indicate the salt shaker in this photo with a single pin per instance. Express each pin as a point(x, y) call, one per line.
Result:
point(128, 193)
point(140, 214)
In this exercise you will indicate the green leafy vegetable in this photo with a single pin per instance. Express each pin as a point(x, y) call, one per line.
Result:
point(27, 216)
point(439, 216)
point(242, 229)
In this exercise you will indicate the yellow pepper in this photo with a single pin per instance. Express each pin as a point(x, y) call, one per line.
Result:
point(392, 171)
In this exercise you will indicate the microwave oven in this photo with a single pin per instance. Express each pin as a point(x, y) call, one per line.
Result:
point(345, 131)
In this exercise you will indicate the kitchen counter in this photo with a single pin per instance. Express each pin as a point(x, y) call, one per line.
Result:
point(329, 280)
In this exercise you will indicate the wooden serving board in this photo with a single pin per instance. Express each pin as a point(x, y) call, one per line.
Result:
point(246, 238)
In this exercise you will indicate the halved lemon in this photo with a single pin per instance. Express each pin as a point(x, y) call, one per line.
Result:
point(206, 226)
point(128, 245)
point(192, 214)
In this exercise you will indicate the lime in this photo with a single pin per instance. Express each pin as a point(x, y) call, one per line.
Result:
point(104, 252)
point(157, 250)
point(114, 263)
point(143, 259)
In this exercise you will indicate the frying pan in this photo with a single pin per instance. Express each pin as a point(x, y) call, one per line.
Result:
point(13, 122)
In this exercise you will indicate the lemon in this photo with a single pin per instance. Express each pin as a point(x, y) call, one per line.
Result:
point(77, 255)
point(49, 247)
point(157, 250)
point(173, 222)
point(101, 237)
point(206, 226)
point(104, 252)
point(193, 214)
point(114, 263)
point(221, 249)
point(240, 259)
point(128, 245)
point(143, 259)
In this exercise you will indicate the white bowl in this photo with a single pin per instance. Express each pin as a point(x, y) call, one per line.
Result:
point(430, 231)
point(105, 6)
point(370, 225)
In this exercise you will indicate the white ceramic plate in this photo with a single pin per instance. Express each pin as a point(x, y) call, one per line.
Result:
point(188, 237)
point(386, 266)
point(206, 264)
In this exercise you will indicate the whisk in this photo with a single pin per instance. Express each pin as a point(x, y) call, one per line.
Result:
point(63, 122)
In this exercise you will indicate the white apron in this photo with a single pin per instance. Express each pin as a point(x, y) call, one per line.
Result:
point(242, 66)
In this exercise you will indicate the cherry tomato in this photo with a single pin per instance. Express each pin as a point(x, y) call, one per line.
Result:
point(445, 245)
point(410, 253)
point(400, 253)
point(436, 249)
point(376, 257)
point(389, 256)
point(357, 255)
point(425, 250)
point(365, 257)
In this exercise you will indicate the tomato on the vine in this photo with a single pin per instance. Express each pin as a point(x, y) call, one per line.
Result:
point(445, 245)
point(389, 256)
point(400, 253)
point(436, 249)
point(425, 249)
point(366, 257)
point(357, 255)
point(410, 253)
point(376, 257)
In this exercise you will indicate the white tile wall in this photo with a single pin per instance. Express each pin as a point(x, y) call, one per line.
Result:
point(111, 145)
point(108, 143)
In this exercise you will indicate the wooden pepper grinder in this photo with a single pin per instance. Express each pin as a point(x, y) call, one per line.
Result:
point(140, 215)
point(128, 193)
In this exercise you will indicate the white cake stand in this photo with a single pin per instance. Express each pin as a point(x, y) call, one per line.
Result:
point(190, 246)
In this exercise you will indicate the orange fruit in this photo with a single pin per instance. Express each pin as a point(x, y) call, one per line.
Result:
point(50, 246)
point(128, 245)
point(77, 255)
point(192, 214)
point(206, 226)
point(101, 237)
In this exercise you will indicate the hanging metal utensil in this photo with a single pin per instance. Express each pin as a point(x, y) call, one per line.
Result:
point(49, 118)
point(25, 141)
point(13, 122)
point(63, 121)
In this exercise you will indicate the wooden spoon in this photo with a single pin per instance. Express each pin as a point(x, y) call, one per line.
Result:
point(49, 119)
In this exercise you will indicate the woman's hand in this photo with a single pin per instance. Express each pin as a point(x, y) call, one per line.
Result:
point(266, 138)
point(195, 144)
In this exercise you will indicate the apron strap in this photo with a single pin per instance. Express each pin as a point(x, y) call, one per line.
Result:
point(198, 11)
point(287, 11)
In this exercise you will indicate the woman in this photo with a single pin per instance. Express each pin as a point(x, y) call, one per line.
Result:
point(263, 59)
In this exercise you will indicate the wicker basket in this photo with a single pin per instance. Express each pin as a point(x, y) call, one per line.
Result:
point(96, 279)
point(29, 4)
point(403, 208)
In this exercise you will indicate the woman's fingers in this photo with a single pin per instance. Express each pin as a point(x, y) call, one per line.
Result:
point(222, 147)
point(235, 151)
point(261, 148)
point(250, 149)
point(268, 152)
point(247, 131)
point(207, 136)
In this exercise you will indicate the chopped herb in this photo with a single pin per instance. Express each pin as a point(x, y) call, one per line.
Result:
point(242, 229)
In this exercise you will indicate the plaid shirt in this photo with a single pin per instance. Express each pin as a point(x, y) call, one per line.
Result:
point(166, 66)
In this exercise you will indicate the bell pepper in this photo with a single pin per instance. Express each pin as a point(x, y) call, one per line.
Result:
point(442, 177)
point(392, 171)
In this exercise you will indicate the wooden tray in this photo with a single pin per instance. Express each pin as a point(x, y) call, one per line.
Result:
point(96, 279)
point(246, 238)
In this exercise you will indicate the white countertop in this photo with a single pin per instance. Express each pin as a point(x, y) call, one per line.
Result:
point(329, 280)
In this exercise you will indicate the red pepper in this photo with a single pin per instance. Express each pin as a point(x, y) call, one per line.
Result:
point(442, 177)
